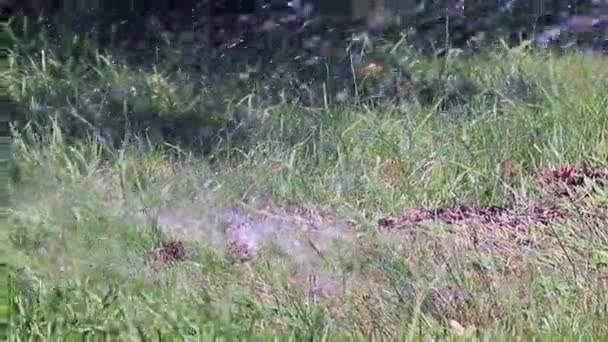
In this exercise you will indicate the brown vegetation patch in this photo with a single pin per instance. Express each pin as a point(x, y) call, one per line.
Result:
point(484, 216)
point(560, 180)
point(169, 252)
point(564, 178)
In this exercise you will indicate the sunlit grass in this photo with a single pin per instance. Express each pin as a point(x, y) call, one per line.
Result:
point(79, 245)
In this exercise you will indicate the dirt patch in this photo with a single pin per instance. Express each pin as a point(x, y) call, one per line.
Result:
point(484, 216)
point(561, 181)
point(170, 252)
point(493, 242)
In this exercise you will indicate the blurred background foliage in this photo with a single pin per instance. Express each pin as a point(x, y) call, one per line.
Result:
point(210, 72)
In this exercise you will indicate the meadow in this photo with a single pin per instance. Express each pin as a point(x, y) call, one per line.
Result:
point(414, 198)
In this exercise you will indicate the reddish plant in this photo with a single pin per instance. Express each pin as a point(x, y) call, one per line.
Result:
point(170, 252)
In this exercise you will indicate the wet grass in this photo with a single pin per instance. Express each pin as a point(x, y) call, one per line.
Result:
point(85, 258)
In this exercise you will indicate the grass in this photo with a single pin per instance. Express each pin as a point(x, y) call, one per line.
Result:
point(80, 246)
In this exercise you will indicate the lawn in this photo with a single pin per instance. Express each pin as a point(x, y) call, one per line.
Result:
point(471, 205)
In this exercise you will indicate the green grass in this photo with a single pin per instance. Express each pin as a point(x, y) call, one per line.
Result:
point(78, 248)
